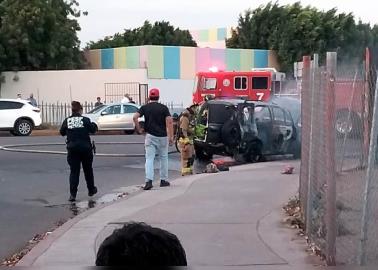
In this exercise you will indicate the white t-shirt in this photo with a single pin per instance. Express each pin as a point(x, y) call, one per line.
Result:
point(125, 100)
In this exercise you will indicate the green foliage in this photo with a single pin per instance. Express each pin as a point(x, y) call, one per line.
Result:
point(39, 35)
point(294, 31)
point(160, 33)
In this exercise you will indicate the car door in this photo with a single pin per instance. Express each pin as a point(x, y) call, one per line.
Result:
point(109, 117)
point(219, 118)
point(264, 123)
point(9, 112)
point(280, 129)
point(126, 119)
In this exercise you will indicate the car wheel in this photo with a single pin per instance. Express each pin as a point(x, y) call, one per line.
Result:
point(254, 153)
point(231, 134)
point(23, 127)
point(346, 126)
point(201, 154)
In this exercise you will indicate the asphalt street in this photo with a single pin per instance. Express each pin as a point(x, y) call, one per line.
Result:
point(34, 187)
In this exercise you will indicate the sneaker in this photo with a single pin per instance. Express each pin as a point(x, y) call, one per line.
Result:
point(72, 198)
point(92, 192)
point(164, 183)
point(148, 185)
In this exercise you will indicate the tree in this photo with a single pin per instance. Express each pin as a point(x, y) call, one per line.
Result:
point(160, 33)
point(39, 35)
point(294, 31)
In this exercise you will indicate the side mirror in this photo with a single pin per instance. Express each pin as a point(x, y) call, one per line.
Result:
point(104, 113)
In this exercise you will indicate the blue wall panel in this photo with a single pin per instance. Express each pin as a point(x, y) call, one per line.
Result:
point(261, 58)
point(171, 62)
point(107, 58)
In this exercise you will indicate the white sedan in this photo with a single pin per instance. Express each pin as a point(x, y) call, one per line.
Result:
point(116, 116)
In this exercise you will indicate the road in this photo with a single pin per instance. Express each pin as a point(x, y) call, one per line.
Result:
point(34, 187)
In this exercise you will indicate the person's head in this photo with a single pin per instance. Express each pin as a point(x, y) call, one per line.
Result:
point(31, 95)
point(98, 99)
point(138, 244)
point(154, 94)
point(18, 95)
point(127, 95)
point(76, 107)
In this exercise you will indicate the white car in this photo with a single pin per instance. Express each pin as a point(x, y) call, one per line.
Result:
point(19, 116)
point(116, 116)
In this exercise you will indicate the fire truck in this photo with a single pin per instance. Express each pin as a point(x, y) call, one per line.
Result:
point(257, 84)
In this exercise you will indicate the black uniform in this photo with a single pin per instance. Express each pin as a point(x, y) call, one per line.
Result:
point(77, 129)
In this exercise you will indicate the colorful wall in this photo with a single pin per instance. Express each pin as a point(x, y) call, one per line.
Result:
point(212, 38)
point(170, 62)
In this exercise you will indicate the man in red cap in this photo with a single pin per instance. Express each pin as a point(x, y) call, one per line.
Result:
point(158, 126)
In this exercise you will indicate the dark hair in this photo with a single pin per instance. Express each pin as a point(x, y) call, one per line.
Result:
point(76, 107)
point(138, 244)
point(154, 98)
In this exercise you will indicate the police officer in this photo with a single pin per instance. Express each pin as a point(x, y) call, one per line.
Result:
point(77, 129)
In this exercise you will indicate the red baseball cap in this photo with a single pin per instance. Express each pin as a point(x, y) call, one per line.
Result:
point(154, 92)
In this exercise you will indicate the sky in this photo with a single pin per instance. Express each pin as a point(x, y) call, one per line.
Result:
point(107, 17)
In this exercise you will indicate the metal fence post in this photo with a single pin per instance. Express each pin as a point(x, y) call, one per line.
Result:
point(311, 161)
point(362, 256)
point(330, 158)
point(303, 182)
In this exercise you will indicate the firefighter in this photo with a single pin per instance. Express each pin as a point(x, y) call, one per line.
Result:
point(186, 133)
point(77, 128)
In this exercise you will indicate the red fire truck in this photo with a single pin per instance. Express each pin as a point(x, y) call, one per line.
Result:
point(257, 84)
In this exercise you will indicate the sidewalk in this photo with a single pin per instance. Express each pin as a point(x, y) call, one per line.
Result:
point(225, 220)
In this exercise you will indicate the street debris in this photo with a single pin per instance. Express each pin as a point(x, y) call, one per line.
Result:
point(288, 170)
point(295, 220)
point(15, 258)
point(211, 168)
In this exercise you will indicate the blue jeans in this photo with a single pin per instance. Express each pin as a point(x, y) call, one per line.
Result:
point(156, 145)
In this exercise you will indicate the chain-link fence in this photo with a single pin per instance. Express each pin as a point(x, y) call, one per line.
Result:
point(339, 172)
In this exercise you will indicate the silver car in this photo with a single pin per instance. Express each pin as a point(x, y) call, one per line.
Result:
point(115, 116)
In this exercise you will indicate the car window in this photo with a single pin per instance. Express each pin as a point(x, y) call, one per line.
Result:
point(220, 113)
point(10, 105)
point(279, 116)
point(129, 109)
point(240, 83)
point(260, 83)
point(97, 109)
point(209, 83)
point(116, 109)
point(262, 114)
point(288, 119)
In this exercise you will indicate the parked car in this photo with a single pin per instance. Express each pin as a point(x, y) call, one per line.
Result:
point(19, 116)
point(116, 116)
point(247, 130)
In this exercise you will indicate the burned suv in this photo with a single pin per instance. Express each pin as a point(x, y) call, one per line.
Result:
point(247, 130)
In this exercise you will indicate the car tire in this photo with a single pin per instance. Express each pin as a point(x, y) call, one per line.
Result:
point(201, 154)
point(353, 128)
point(23, 127)
point(254, 153)
point(231, 134)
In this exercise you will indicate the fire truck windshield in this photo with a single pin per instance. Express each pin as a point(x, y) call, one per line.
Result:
point(209, 83)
